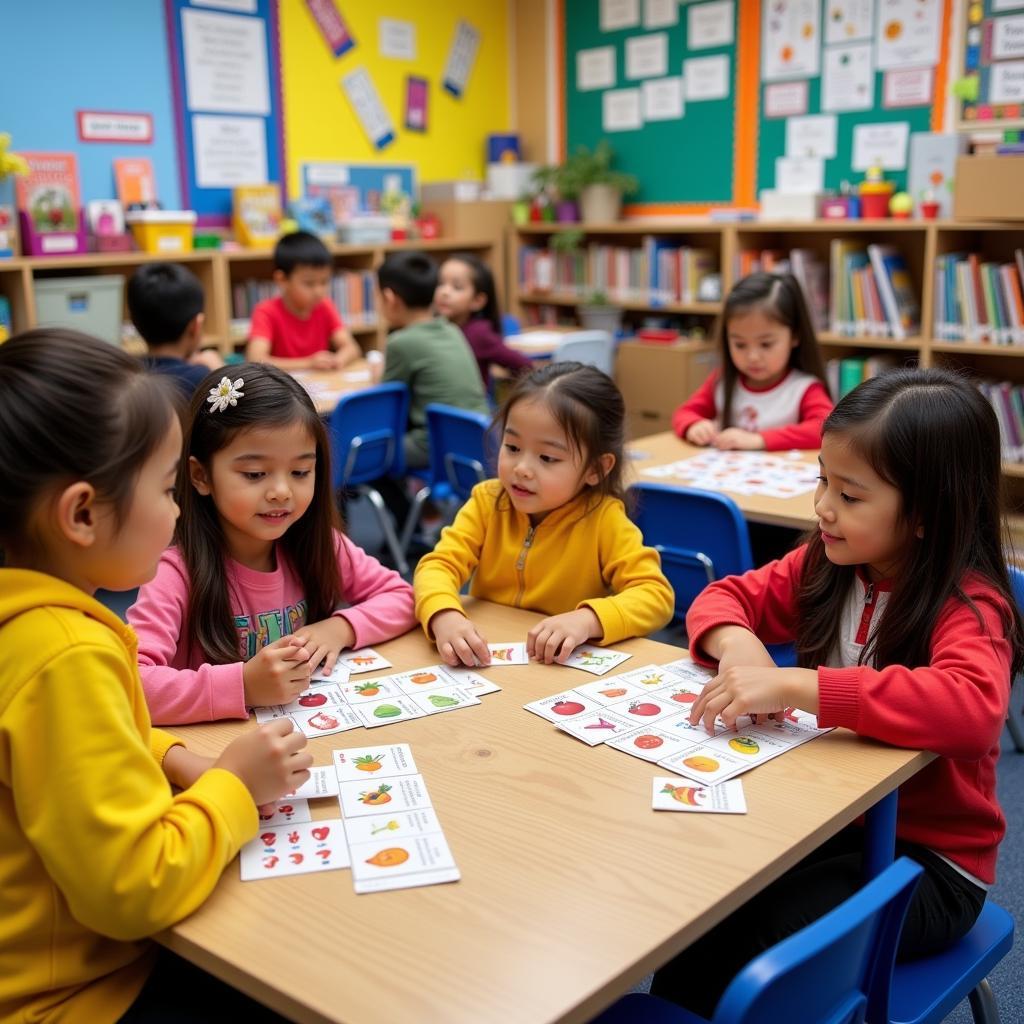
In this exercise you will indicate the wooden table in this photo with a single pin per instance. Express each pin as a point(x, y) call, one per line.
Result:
point(661, 449)
point(539, 342)
point(572, 887)
point(327, 386)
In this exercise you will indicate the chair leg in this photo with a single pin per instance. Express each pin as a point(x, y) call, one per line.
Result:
point(384, 518)
point(413, 518)
point(984, 1009)
point(1016, 732)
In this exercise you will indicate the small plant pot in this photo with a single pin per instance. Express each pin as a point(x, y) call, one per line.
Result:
point(601, 318)
point(600, 204)
point(520, 213)
point(567, 211)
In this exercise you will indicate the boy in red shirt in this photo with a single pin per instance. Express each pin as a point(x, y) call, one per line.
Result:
point(301, 329)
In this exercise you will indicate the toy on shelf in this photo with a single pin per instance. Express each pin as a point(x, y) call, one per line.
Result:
point(162, 232)
point(901, 206)
point(106, 225)
point(10, 165)
point(315, 215)
point(929, 206)
point(875, 193)
point(256, 215)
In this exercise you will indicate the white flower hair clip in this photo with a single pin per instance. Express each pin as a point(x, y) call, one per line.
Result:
point(225, 393)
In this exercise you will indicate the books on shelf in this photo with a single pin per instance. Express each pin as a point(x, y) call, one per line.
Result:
point(1008, 402)
point(803, 264)
point(870, 292)
point(979, 301)
point(843, 375)
point(352, 292)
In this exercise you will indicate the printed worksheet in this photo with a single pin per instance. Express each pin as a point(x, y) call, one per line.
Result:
point(749, 473)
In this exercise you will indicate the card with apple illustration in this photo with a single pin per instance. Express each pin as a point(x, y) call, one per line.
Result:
point(327, 696)
point(651, 743)
point(563, 706)
point(647, 708)
point(295, 849)
point(365, 763)
point(382, 796)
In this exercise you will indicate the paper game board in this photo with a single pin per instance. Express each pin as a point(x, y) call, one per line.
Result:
point(785, 475)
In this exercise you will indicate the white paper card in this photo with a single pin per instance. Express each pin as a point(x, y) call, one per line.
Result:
point(883, 145)
point(1006, 84)
point(617, 14)
point(790, 39)
point(663, 99)
point(710, 24)
point(229, 151)
point(561, 707)
point(848, 81)
point(399, 825)
point(908, 33)
point(461, 58)
point(799, 174)
point(726, 798)
point(225, 59)
point(322, 782)
point(595, 69)
point(706, 78)
point(647, 56)
point(847, 20)
point(595, 660)
point(320, 722)
point(644, 710)
point(286, 812)
point(339, 675)
point(367, 763)
point(368, 107)
point(908, 87)
point(295, 850)
point(402, 863)
point(397, 38)
point(388, 711)
point(620, 110)
point(509, 653)
point(366, 659)
point(399, 793)
point(448, 698)
point(660, 13)
point(599, 728)
point(651, 743)
point(785, 99)
point(813, 135)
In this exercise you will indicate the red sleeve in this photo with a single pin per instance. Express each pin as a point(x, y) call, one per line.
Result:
point(262, 323)
point(955, 706)
point(331, 316)
point(814, 407)
point(699, 406)
point(762, 600)
point(489, 346)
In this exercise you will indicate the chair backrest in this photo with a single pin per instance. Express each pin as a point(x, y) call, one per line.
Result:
point(837, 970)
point(594, 348)
point(366, 431)
point(510, 325)
point(1017, 585)
point(458, 447)
point(700, 535)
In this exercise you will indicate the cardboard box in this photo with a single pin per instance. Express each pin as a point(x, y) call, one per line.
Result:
point(989, 188)
point(656, 379)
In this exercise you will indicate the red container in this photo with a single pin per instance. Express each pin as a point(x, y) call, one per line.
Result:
point(875, 204)
point(658, 335)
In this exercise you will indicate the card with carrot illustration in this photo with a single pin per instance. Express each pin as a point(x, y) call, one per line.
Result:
point(382, 796)
point(366, 659)
point(368, 763)
point(295, 849)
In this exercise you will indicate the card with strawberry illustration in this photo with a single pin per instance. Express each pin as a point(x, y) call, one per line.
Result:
point(367, 763)
point(705, 764)
point(322, 782)
point(338, 675)
point(563, 706)
point(326, 721)
point(596, 660)
point(402, 864)
point(384, 712)
point(470, 681)
point(295, 849)
point(370, 689)
point(449, 698)
point(648, 708)
point(400, 825)
point(286, 812)
point(610, 691)
point(649, 678)
point(508, 654)
point(419, 680)
point(725, 798)
point(651, 743)
point(599, 728)
point(366, 659)
point(384, 796)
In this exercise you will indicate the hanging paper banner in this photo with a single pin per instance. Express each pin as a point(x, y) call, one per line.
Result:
point(332, 26)
point(366, 102)
point(460, 58)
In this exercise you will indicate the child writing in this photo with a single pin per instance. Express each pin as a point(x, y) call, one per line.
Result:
point(301, 329)
point(89, 450)
point(551, 533)
point(261, 587)
point(466, 296)
point(770, 393)
point(906, 633)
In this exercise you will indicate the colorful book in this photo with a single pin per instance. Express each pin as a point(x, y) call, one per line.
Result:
point(256, 215)
point(896, 290)
point(50, 205)
point(135, 181)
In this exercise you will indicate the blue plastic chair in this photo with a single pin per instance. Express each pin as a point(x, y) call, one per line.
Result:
point(834, 971)
point(366, 431)
point(1013, 717)
point(458, 459)
point(594, 348)
point(510, 325)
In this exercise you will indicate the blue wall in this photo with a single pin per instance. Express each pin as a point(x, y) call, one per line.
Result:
point(59, 56)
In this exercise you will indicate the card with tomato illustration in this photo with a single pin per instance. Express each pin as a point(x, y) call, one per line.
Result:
point(366, 659)
point(400, 825)
point(360, 692)
point(646, 709)
point(704, 764)
point(383, 712)
point(668, 794)
point(610, 691)
point(595, 729)
point(563, 706)
point(382, 796)
point(368, 763)
point(448, 698)
point(508, 654)
point(338, 676)
point(313, 722)
point(650, 678)
point(419, 680)
point(295, 849)
point(470, 681)
point(287, 811)
point(596, 660)
point(402, 864)
point(651, 743)
point(326, 696)
point(321, 782)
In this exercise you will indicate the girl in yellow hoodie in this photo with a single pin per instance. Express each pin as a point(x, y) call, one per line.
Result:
point(97, 852)
point(551, 533)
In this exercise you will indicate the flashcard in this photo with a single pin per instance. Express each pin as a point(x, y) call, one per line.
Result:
point(595, 729)
point(725, 798)
point(286, 812)
point(402, 864)
point(295, 850)
point(754, 746)
point(326, 696)
point(418, 680)
point(322, 781)
point(683, 694)
point(652, 743)
point(338, 676)
point(687, 668)
point(383, 712)
point(468, 680)
point(371, 689)
point(562, 706)
point(648, 708)
point(784, 732)
point(705, 764)
point(609, 691)
point(325, 722)
point(650, 677)
point(363, 763)
point(508, 654)
point(596, 660)
point(366, 659)
point(400, 825)
point(450, 698)
point(400, 793)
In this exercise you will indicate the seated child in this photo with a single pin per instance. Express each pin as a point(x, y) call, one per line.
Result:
point(770, 393)
point(262, 587)
point(301, 329)
point(551, 533)
point(466, 296)
point(165, 302)
point(97, 851)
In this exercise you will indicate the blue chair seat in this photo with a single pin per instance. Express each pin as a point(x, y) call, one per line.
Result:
point(640, 1009)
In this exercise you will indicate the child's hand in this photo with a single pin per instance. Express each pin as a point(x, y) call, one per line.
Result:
point(755, 690)
point(325, 640)
point(269, 760)
point(702, 432)
point(553, 639)
point(323, 360)
point(277, 674)
point(458, 640)
point(741, 440)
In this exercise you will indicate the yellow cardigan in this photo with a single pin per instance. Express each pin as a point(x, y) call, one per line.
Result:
point(96, 854)
point(572, 559)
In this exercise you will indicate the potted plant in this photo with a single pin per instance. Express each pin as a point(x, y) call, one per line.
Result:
point(600, 188)
point(598, 314)
point(10, 165)
point(552, 182)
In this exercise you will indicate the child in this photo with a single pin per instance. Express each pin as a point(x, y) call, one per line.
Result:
point(551, 533)
point(907, 634)
point(96, 851)
point(165, 302)
point(466, 296)
point(770, 393)
point(262, 587)
point(301, 329)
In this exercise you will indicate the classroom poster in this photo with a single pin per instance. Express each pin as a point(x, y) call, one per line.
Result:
point(461, 58)
point(225, 63)
point(847, 20)
point(369, 108)
point(706, 78)
point(332, 26)
point(616, 14)
point(848, 79)
point(880, 145)
point(790, 39)
point(647, 56)
point(710, 24)
point(909, 33)
point(785, 99)
point(595, 68)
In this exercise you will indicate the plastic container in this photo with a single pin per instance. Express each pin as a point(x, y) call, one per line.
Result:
point(366, 229)
point(93, 304)
point(162, 232)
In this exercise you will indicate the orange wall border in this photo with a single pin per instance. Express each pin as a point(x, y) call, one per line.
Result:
point(942, 69)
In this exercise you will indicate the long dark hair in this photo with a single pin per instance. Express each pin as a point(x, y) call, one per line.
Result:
point(780, 298)
point(588, 406)
point(934, 437)
point(73, 408)
point(483, 284)
point(271, 398)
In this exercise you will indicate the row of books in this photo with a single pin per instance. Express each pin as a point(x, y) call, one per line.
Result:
point(980, 302)
point(352, 292)
point(1008, 403)
point(870, 292)
point(843, 375)
point(803, 264)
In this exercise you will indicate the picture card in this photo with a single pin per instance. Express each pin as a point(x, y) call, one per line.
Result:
point(418, 680)
point(598, 728)
point(322, 781)
point(338, 675)
point(295, 850)
point(470, 681)
point(365, 763)
point(705, 764)
point(689, 669)
point(561, 707)
point(400, 825)
point(448, 698)
point(650, 677)
point(402, 864)
point(327, 696)
point(399, 793)
point(370, 690)
point(610, 691)
point(651, 743)
point(507, 654)
point(596, 660)
point(647, 708)
point(725, 798)
point(384, 712)
point(366, 659)
point(325, 722)
point(286, 812)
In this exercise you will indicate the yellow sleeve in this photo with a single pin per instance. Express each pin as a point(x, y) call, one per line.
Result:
point(129, 857)
point(641, 600)
point(441, 574)
point(160, 742)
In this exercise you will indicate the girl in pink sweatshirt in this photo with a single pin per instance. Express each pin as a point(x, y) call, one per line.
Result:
point(261, 587)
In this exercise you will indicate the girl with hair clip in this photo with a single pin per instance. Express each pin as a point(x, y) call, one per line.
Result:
point(771, 392)
point(551, 533)
point(906, 632)
point(261, 587)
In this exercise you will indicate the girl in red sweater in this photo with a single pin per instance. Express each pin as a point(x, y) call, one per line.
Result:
point(906, 633)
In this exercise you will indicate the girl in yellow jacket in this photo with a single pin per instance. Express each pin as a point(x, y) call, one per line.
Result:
point(97, 853)
point(551, 533)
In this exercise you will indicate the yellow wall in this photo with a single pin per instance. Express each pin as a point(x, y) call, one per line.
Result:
point(320, 123)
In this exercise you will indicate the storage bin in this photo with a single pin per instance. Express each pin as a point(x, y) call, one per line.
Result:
point(162, 232)
point(93, 304)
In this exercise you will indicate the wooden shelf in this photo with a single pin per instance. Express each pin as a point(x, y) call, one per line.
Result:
point(568, 299)
point(867, 341)
point(1014, 469)
point(975, 348)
